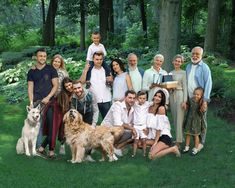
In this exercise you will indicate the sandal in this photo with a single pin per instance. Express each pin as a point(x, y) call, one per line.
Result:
point(186, 149)
point(194, 151)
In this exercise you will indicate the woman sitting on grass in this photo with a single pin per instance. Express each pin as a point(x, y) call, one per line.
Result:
point(162, 143)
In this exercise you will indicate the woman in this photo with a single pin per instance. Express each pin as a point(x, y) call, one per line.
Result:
point(58, 63)
point(52, 121)
point(162, 142)
point(153, 76)
point(122, 80)
point(178, 98)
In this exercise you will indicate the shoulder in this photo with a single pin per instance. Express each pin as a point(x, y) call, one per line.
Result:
point(162, 110)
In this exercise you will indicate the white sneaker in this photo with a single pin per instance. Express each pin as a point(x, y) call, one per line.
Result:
point(115, 157)
point(89, 158)
point(200, 147)
point(118, 152)
point(62, 150)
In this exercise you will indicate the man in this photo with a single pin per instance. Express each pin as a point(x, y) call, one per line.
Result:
point(42, 84)
point(135, 72)
point(99, 89)
point(121, 114)
point(199, 74)
point(84, 103)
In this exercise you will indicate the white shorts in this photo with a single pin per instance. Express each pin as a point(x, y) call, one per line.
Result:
point(139, 132)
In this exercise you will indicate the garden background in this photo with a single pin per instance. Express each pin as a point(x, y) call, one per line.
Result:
point(145, 27)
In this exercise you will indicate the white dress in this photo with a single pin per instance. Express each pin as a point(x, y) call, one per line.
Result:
point(151, 124)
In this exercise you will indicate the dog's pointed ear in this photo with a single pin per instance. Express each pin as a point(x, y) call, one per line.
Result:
point(39, 106)
point(28, 108)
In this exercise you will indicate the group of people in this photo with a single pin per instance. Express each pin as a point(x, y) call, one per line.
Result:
point(128, 97)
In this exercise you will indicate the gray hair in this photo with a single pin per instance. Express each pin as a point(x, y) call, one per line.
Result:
point(179, 56)
point(131, 54)
point(158, 56)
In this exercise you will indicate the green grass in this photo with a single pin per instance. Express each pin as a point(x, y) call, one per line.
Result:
point(213, 167)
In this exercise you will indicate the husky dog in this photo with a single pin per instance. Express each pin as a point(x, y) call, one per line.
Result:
point(27, 143)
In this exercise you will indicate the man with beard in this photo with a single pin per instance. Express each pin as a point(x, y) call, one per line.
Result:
point(199, 75)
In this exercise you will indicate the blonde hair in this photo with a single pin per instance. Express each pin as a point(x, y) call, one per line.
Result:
point(62, 64)
point(179, 56)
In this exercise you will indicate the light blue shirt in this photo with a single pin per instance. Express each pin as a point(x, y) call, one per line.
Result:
point(202, 78)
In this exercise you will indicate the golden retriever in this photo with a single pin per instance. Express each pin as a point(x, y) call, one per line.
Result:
point(81, 136)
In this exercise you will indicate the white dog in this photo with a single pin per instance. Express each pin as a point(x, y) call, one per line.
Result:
point(27, 143)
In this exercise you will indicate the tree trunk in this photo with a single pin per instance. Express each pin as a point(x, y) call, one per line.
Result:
point(169, 32)
point(103, 19)
point(111, 17)
point(82, 25)
point(212, 25)
point(143, 17)
point(43, 13)
point(232, 38)
point(49, 27)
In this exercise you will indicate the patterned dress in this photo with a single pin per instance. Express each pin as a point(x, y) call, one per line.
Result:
point(194, 119)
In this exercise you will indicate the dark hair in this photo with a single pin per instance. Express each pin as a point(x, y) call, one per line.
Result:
point(64, 96)
point(120, 63)
point(130, 92)
point(99, 53)
point(201, 100)
point(139, 93)
point(163, 101)
point(40, 50)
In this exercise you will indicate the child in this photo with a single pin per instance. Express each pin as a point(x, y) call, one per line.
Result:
point(194, 120)
point(140, 113)
point(96, 46)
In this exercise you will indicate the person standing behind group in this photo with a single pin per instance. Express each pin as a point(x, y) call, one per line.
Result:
point(122, 81)
point(199, 75)
point(178, 98)
point(136, 73)
point(194, 123)
point(42, 86)
point(152, 78)
point(99, 88)
point(96, 46)
point(58, 63)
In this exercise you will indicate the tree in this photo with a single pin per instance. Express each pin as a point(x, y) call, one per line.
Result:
point(169, 32)
point(143, 17)
point(49, 24)
point(212, 25)
point(232, 38)
point(106, 18)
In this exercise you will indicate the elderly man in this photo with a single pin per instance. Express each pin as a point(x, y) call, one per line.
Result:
point(136, 73)
point(199, 74)
point(121, 114)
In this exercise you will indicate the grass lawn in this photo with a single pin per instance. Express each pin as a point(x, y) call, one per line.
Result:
point(213, 167)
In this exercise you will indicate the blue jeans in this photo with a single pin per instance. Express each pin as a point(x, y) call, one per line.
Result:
point(104, 108)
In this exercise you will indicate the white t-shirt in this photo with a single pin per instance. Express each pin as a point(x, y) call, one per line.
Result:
point(98, 87)
point(140, 113)
point(95, 48)
point(191, 81)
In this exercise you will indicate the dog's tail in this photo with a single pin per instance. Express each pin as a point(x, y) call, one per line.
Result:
point(117, 132)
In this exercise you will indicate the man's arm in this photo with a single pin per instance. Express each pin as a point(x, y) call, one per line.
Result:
point(30, 93)
point(55, 84)
point(84, 73)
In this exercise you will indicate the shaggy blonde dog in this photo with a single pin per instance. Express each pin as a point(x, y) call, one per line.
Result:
point(81, 136)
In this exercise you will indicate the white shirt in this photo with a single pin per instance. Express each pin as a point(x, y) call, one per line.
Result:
point(95, 48)
point(136, 79)
point(152, 76)
point(98, 87)
point(192, 81)
point(118, 115)
point(163, 125)
point(140, 113)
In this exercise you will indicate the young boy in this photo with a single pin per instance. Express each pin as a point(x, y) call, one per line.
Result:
point(140, 113)
point(96, 46)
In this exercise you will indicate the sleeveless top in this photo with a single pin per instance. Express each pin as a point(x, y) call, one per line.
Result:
point(119, 86)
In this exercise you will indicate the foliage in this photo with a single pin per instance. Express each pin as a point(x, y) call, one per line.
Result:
point(134, 37)
point(11, 58)
point(74, 68)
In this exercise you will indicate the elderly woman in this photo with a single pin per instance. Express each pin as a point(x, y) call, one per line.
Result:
point(152, 78)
